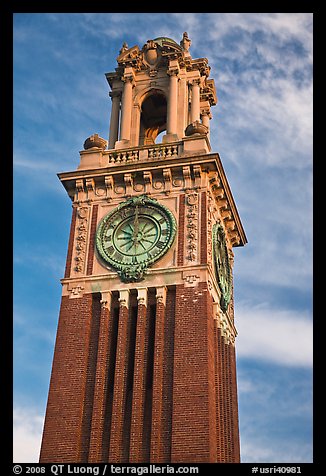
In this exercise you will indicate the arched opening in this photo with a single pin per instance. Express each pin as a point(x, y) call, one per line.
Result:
point(153, 117)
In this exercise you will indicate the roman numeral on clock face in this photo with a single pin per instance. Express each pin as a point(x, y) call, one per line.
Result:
point(160, 244)
point(110, 250)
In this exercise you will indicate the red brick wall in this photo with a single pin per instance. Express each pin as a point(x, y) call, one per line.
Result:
point(227, 430)
point(142, 384)
point(192, 389)
point(63, 429)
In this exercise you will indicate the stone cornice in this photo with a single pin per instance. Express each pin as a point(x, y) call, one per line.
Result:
point(158, 175)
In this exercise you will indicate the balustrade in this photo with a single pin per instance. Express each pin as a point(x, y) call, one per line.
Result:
point(143, 153)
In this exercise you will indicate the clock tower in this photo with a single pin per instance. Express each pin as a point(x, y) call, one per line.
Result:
point(144, 366)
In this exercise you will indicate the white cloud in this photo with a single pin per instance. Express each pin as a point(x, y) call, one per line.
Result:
point(264, 450)
point(280, 336)
point(27, 433)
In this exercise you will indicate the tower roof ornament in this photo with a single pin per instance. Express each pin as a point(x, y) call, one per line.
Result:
point(124, 48)
point(185, 42)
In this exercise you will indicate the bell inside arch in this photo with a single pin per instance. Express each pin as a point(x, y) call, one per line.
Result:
point(153, 117)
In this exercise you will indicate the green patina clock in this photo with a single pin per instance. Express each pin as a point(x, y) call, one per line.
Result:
point(222, 265)
point(134, 236)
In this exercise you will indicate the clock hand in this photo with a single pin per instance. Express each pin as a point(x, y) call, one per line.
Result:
point(136, 226)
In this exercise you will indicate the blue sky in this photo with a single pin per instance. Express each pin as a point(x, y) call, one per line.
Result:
point(262, 129)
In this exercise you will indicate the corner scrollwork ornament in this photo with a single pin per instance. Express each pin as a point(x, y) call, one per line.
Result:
point(222, 266)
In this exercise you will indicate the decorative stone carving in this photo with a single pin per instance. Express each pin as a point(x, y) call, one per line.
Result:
point(105, 300)
point(167, 177)
point(191, 227)
point(80, 240)
point(76, 291)
point(161, 295)
point(191, 279)
point(95, 141)
point(228, 330)
point(142, 296)
point(196, 127)
point(151, 56)
point(128, 184)
point(124, 298)
point(109, 186)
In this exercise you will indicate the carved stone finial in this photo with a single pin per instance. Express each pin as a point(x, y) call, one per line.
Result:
point(95, 141)
point(185, 42)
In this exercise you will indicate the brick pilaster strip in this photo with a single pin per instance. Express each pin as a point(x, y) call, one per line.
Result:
point(98, 447)
point(91, 247)
point(116, 451)
point(139, 387)
point(168, 359)
point(157, 403)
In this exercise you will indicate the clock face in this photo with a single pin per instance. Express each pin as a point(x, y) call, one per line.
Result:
point(135, 235)
point(222, 265)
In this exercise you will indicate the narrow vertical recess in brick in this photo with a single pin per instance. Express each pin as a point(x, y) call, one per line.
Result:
point(91, 247)
point(168, 376)
point(156, 450)
point(138, 391)
point(90, 376)
point(71, 242)
point(151, 315)
point(123, 383)
point(130, 381)
point(111, 373)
